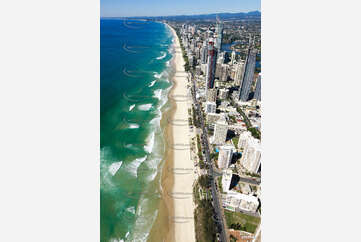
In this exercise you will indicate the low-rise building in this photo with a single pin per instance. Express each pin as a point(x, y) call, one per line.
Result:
point(236, 201)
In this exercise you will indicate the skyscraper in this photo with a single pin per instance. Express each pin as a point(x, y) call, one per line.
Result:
point(239, 74)
point(204, 53)
point(219, 31)
point(233, 57)
point(248, 75)
point(225, 156)
point(211, 66)
point(220, 131)
point(257, 92)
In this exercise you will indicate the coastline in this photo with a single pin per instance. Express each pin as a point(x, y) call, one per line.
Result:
point(175, 220)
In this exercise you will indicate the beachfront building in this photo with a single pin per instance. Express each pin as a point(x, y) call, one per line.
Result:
point(225, 156)
point(212, 118)
point(220, 131)
point(257, 92)
point(226, 179)
point(211, 65)
point(211, 107)
point(251, 155)
point(248, 76)
point(236, 201)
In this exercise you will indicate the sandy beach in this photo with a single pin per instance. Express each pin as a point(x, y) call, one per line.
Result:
point(175, 221)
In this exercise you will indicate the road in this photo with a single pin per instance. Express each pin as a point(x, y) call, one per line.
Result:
point(204, 139)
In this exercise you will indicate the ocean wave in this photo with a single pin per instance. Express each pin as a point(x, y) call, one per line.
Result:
point(144, 221)
point(157, 75)
point(150, 142)
point(158, 94)
point(152, 83)
point(106, 177)
point(131, 210)
point(145, 107)
point(162, 56)
point(131, 107)
point(132, 167)
point(114, 167)
point(133, 126)
point(153, 165)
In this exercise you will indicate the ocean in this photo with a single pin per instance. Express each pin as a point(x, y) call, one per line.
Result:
point(134, 82)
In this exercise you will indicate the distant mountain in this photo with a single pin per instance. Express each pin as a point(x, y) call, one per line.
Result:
point(212, 16)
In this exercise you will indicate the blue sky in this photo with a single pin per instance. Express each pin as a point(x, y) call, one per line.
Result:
point(128, 8)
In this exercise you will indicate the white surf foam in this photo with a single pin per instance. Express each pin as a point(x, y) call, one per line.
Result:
point(131, 107)
point(150, 142)
point(157, 75)
point(133, 166)
point(145, 107)
point(133, 126)
point(158, 93)
point(131, 210)
point(162, 56)
point(114, 167)
point(152, 83)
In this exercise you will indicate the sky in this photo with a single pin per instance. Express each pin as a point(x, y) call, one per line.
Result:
point(132, 8)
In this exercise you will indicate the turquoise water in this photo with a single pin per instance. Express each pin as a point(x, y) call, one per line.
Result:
point(134, 72)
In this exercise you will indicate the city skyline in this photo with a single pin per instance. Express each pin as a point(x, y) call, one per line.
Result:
point(143, 8)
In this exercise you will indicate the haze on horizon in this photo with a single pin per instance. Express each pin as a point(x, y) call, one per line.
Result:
point(150, 8)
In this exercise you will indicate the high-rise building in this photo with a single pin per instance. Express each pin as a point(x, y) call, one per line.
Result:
point(211, 107)
point(239, 74)
point(233, 57)
point(226, 179)
point(257, 92)
point(197, 52)
point(243, 138)
point(219, 31)
point(251, 155)
point(191, 60)
point(224, 75)
point(221, 57)
point(204, 53)
point(248, 75)
point(211, 95)
point(218, 73)
point(220, 131)
point(211, 65)
point(225, 156)
point(198, 70)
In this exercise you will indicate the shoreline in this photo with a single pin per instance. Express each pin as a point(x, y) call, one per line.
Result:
point(166, 227)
